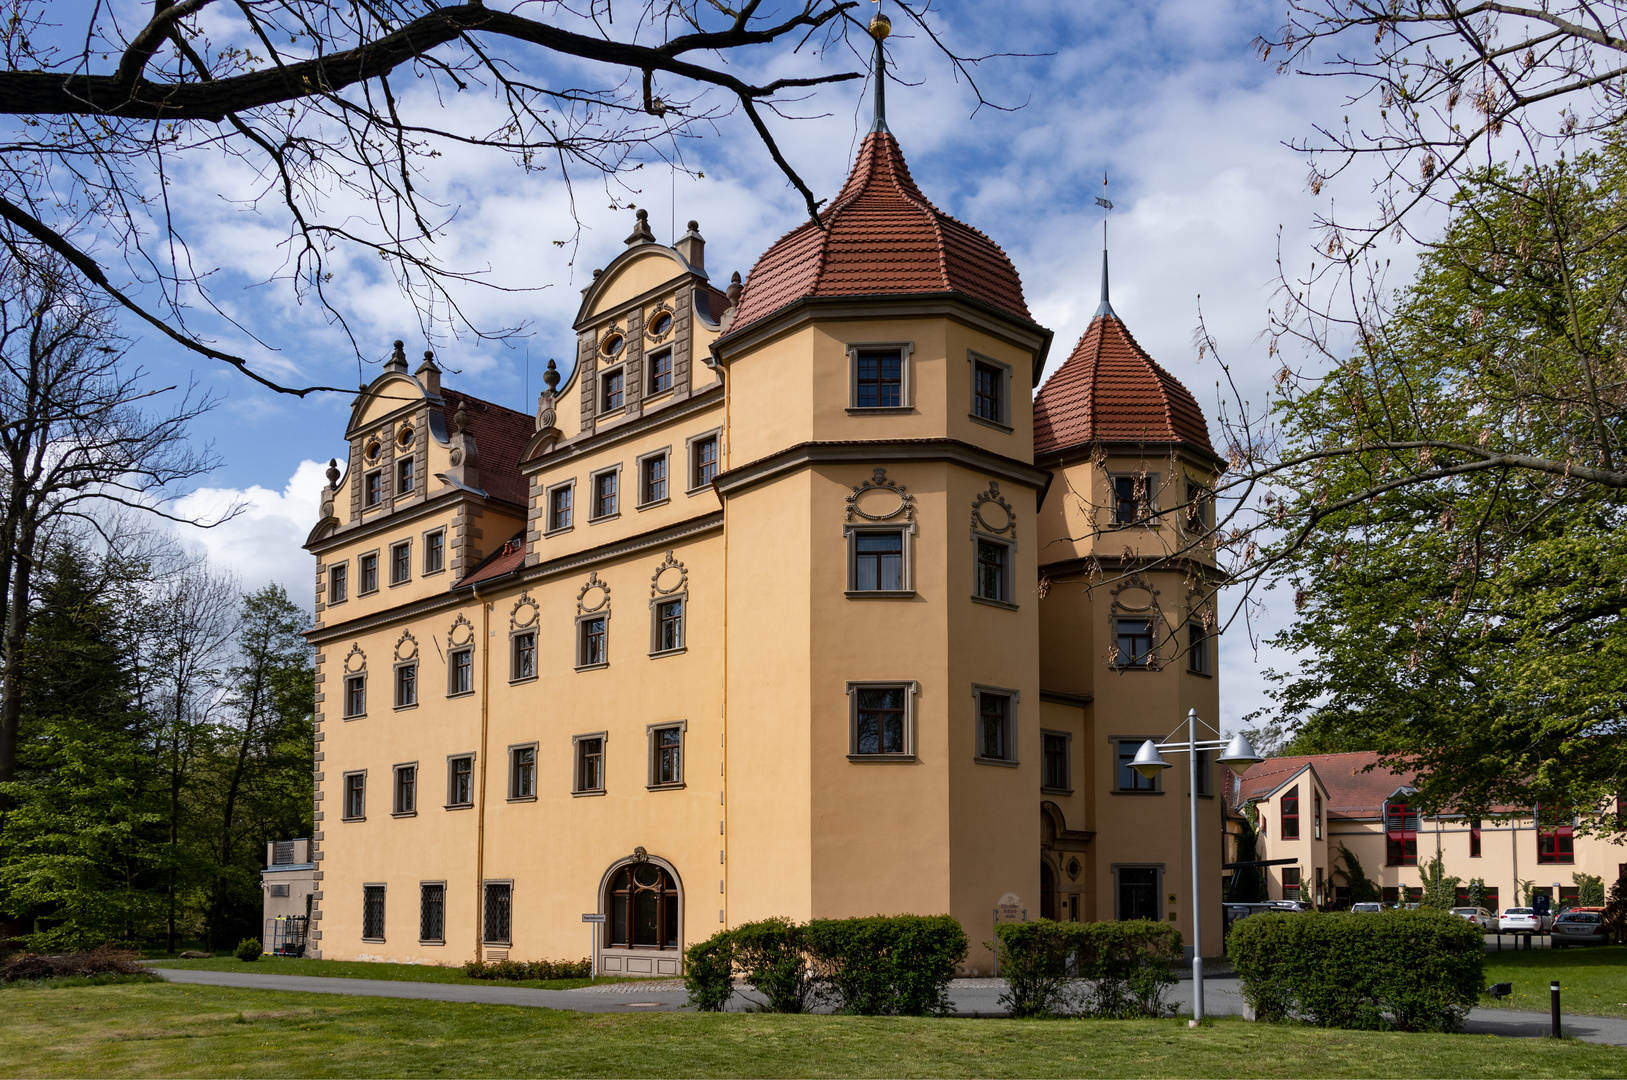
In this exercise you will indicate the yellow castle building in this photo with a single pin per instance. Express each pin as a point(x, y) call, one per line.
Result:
point(779, 604)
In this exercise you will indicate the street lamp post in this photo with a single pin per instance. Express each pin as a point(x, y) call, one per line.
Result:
point(1238, 755)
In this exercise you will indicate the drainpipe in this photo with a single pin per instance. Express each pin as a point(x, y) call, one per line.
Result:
point(480, 811)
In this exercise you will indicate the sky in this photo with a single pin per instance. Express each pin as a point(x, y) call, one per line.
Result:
point(1168, 100)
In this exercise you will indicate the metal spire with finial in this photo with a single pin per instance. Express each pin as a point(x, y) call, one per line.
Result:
point(880, 27)
point(1106, 308)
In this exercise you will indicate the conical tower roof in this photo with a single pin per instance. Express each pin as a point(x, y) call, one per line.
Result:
point(1110, 390)
point(881, 237)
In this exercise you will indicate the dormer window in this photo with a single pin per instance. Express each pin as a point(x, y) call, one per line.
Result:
point(373, 488)
point(660, 368)
point(612, 396)
point(403, 477)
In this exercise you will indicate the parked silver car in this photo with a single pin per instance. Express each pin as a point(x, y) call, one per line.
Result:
point(1580, 928)
point(1479, 916)
point(1520, 920)
point(1370, 907)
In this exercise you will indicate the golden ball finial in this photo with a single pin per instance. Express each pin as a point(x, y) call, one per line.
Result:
point(880, 26)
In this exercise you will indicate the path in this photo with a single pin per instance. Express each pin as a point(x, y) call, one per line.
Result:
point(971, 997)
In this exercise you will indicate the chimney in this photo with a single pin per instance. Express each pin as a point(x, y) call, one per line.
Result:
point(692, 246)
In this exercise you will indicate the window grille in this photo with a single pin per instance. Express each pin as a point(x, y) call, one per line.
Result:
point(373, 912)
point(497, 926)
point(432, 912)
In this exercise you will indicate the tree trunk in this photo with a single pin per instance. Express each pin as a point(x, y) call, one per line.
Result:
point(11, 692)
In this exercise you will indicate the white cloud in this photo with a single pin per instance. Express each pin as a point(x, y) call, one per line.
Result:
point(262, 544)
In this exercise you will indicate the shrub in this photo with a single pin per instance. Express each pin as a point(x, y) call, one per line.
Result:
point(1412, 970)
point(103, 961)
point(772, 956)
point(528, 970)
point(248, 950)
point(709, 972)
point(883, 966)
point(1117, 969)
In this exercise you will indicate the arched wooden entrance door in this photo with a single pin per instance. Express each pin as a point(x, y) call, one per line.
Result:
point(1047, 891)
point(642, 932)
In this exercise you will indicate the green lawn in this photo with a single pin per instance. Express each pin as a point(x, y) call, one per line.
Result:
point(1592, 980)
point(171, 1030)
point(363, 969)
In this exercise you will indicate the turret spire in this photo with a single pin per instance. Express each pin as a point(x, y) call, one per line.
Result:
point(1106, 308)
point(880, 27)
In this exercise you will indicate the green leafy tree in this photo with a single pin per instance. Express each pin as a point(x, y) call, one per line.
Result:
point(1477, 892)
point(1455, 519)
point(1615, 911)
point(253, 780)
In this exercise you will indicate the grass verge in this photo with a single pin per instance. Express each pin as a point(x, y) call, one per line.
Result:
point(366, 969)
point(182, 1031)
point(1592, 980)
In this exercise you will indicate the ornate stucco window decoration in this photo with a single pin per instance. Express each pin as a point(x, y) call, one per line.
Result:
point(995, 730)
point(880, 380)
point(1137, 626)
point(460, 658)
point(881, 720)
point(669, 608)
point(353, 673)
point(593, 624)
point(523, 618)
point(666, 755)
point(880, 528)
point(406, 671)
point(994, 549)
point(990, 391)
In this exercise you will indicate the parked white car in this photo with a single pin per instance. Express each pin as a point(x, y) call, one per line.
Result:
point(1520, 920)
point(1479, 916)
point(1370, 907)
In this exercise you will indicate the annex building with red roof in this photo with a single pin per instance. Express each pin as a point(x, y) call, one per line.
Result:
point(1329, 819)
point(798, 597)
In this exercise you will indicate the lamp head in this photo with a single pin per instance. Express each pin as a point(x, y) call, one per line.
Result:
point(1148, 761)
point(1240, 754)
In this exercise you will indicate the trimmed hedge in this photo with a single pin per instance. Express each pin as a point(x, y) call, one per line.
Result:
point(248, 950)
point(1409, 970)
point(1116, 969)
point(881, 966)
point(878, 966)
point(528, 970)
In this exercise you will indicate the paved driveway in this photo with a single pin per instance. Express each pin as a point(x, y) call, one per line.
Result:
point(971, 997)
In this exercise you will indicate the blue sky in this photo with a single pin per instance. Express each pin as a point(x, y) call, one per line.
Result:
point(1168, 99)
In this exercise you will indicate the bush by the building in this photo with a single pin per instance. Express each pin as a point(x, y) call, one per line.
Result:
point(1117, 969)
point(880, 966)
point(528, 970)
point(248, 950)
point(1409, 970)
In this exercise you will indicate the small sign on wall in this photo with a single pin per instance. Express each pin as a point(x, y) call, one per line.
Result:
point(590, 916)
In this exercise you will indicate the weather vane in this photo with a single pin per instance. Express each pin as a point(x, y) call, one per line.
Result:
point(1102, 201)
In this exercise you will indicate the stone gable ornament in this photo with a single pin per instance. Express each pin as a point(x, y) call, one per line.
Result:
point(524, 613)
point(411, 651)
point(354, 653)
point(460, 626)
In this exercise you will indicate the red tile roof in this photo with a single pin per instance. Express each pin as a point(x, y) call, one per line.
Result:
point(1110, 390)
point(1352, 791)
point(882, 237)
point(500, 436)
point(505, 560)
